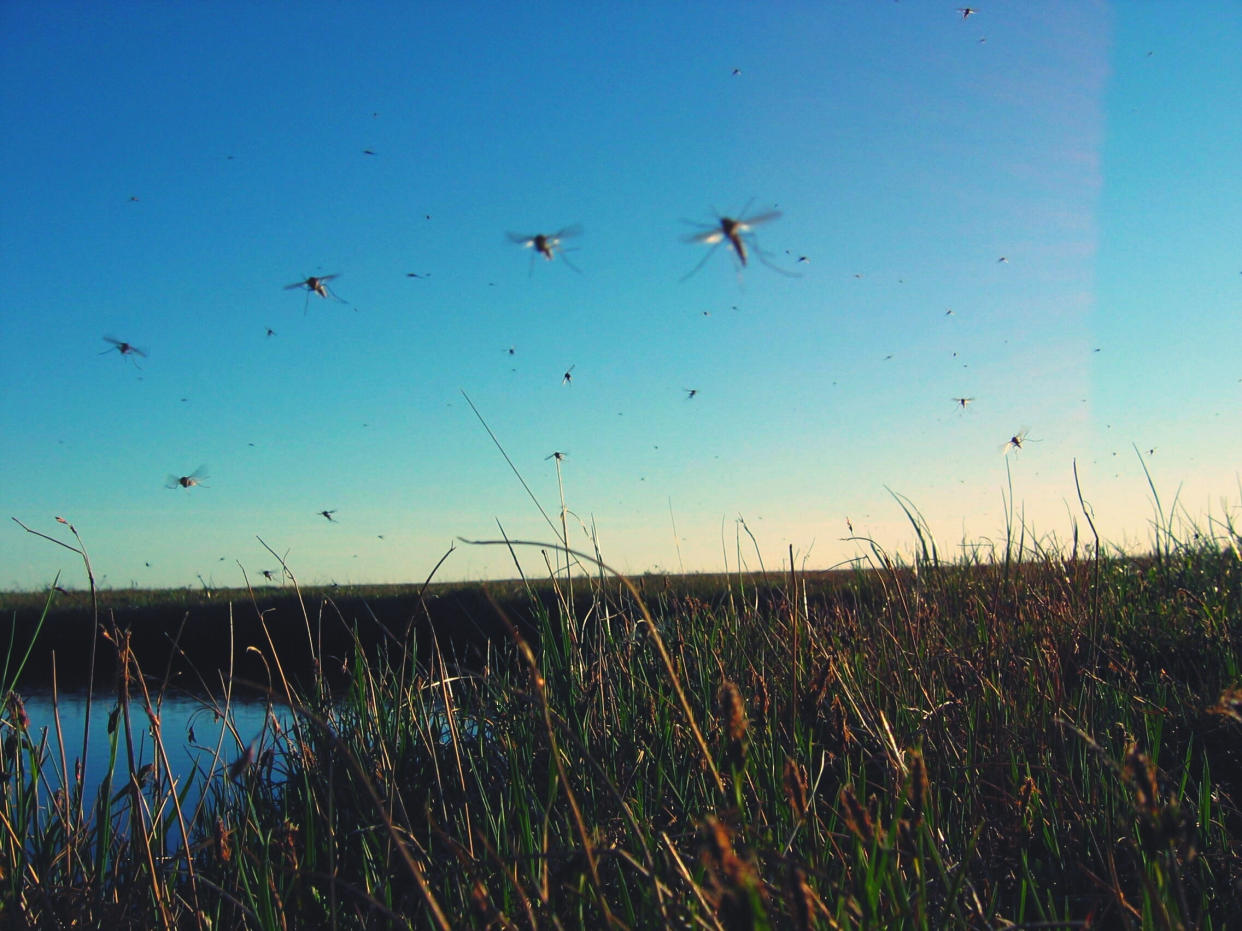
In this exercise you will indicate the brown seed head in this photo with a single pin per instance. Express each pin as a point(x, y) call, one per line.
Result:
point(916, 790)
point(795, 787)
point(857, 818)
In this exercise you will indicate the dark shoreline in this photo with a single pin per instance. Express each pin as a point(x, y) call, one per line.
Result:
point(192, 638)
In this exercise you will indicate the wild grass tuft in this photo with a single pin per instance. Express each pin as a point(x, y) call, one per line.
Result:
point(1048, 738)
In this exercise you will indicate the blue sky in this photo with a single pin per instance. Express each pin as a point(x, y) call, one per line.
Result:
point(1093, 146)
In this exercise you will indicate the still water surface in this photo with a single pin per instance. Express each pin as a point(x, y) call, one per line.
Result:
point(181, 718)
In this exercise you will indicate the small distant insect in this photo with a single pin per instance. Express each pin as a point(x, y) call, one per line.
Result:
point(967, 12)
point(690, 392)
point(739, 233)
point(328, 515)
point(557, 455)
point(270, 332)
point(511, 350)
point(315, 284)
point(1003, 260)
point(417, 275)
point(194, 479)
point(124, 348)
point(737, 71)
point(568, 377)
point(961, 402)
point(368, 152)
point(1015, 441)
point(548, 244)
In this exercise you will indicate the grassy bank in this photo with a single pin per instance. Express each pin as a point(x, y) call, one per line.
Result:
point(1050, 741)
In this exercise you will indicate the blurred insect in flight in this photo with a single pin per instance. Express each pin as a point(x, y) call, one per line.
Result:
point(328, 515)
point(125, 349)
point(315, 284)
point(961, 402)
point(690, 392)
point(557, 455)
point(967, 12)
point(548, 244)
point(194, 479)
point(568, 377)
point(1015, 441)
point(739, 234)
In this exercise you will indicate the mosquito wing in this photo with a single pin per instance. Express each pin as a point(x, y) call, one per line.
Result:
point(123, 347)
point(749, 222)
point(710, 237)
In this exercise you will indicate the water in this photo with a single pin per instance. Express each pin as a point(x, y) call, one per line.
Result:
point(181, 717)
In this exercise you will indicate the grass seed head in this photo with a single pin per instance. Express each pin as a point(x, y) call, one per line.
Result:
point(801, 899)
point(795, 787)
point(857, 818)
point(733, 720)
point(916, 788)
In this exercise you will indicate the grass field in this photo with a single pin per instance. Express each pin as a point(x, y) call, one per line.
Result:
point(1042, 738)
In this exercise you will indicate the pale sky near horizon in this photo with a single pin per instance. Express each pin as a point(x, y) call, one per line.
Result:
point(1062, 176)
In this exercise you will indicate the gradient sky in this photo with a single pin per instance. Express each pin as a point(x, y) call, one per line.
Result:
point(169, 168)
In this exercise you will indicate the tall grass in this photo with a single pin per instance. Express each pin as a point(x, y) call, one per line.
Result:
point(1046, 738)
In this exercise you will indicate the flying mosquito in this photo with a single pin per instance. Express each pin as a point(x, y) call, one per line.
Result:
point(194, 479)
point(315, 284)
point(739, 233)
point(124, 348)
point(690, 392)
point(967, 12)
point(548, 244)
point(568, 377)
point(1015, 441)
point(328, 515)
point(961, 402)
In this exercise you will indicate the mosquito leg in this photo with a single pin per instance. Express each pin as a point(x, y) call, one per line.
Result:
point(702, 262)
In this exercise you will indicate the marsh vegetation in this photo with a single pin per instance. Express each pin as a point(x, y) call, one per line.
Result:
point(1039, 738)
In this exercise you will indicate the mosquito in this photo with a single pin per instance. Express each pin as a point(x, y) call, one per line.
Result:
point(193, 480)
point(967, 12)
point(568, 377)
point(315, 284)
point(1015, 441)
point(690, 392)
point(961, 402)
point(124, 348)
point(548, 244)
point(328, 515)
point(738, 233)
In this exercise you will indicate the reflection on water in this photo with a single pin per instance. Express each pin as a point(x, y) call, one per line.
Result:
point(193, 731)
